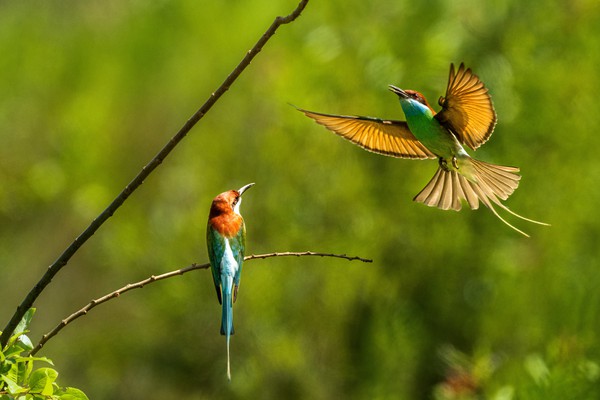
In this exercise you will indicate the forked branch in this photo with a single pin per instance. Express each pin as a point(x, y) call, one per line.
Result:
point(155, 278)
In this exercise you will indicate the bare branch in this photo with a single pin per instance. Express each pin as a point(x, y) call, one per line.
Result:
point(307, 253)
point(155, 278)
point(64, 258)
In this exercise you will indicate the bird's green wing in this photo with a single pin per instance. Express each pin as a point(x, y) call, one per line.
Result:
point(467, 109)
point(216, 248)
point(238, 247)
point(387, 137)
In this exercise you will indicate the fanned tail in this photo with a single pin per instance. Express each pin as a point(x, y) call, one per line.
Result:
point(477, 181)
point(227, 316)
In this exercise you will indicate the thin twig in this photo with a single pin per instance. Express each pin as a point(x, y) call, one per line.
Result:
point(155, 278)
point(62, 260)
point(307, 253)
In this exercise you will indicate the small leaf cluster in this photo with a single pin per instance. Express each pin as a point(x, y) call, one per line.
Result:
point(19, 380)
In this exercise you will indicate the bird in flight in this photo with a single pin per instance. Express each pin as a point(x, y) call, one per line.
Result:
point(467, 118)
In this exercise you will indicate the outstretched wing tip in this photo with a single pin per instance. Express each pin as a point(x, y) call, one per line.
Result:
point(302, 110)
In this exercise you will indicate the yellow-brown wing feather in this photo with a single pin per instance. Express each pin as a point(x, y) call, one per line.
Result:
point(467, 109)
point(390, 138)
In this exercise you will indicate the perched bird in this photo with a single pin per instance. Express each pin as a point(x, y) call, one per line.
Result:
point(467, 118)
point(226, 241)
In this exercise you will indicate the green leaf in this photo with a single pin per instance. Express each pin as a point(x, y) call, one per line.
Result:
point(25, 342)
point(41, 381)
point(30, 358)
point(13, 373)
point(22, 377)
point(11, 385)
point(27, 372)
point(5, 366)
point(72, 394)
point(23, 325)
point(13, 350)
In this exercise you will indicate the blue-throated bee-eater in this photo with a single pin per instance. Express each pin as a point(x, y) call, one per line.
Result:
point(226, 241)
point(467, 118)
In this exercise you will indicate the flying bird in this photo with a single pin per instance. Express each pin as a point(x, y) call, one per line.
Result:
point(226, 241)
point(467, 118)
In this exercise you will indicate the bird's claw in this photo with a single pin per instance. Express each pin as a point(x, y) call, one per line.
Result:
point(444, 163)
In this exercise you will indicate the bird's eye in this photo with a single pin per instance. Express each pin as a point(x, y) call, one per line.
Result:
point(235, 201)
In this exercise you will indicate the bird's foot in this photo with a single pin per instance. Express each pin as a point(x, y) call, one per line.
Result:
point(444, 163)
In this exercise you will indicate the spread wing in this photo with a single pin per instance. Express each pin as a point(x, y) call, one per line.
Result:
point(467, 109)
point(390, 138)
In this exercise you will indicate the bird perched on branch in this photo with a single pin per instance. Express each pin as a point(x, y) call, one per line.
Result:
point(467, 118)
point(226, 241)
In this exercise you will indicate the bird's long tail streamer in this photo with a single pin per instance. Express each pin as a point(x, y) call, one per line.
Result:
point(488, 183)
point(228, 362)
point(227, 316)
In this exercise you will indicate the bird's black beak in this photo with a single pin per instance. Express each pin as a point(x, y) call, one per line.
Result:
point(398, 91)
point(244, 188)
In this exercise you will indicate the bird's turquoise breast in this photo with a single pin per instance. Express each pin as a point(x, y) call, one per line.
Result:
point(428, 130)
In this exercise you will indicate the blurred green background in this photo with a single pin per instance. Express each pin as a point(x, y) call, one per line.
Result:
point(455, 305)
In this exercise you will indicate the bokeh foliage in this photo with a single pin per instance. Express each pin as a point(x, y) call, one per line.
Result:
point(455, 305)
